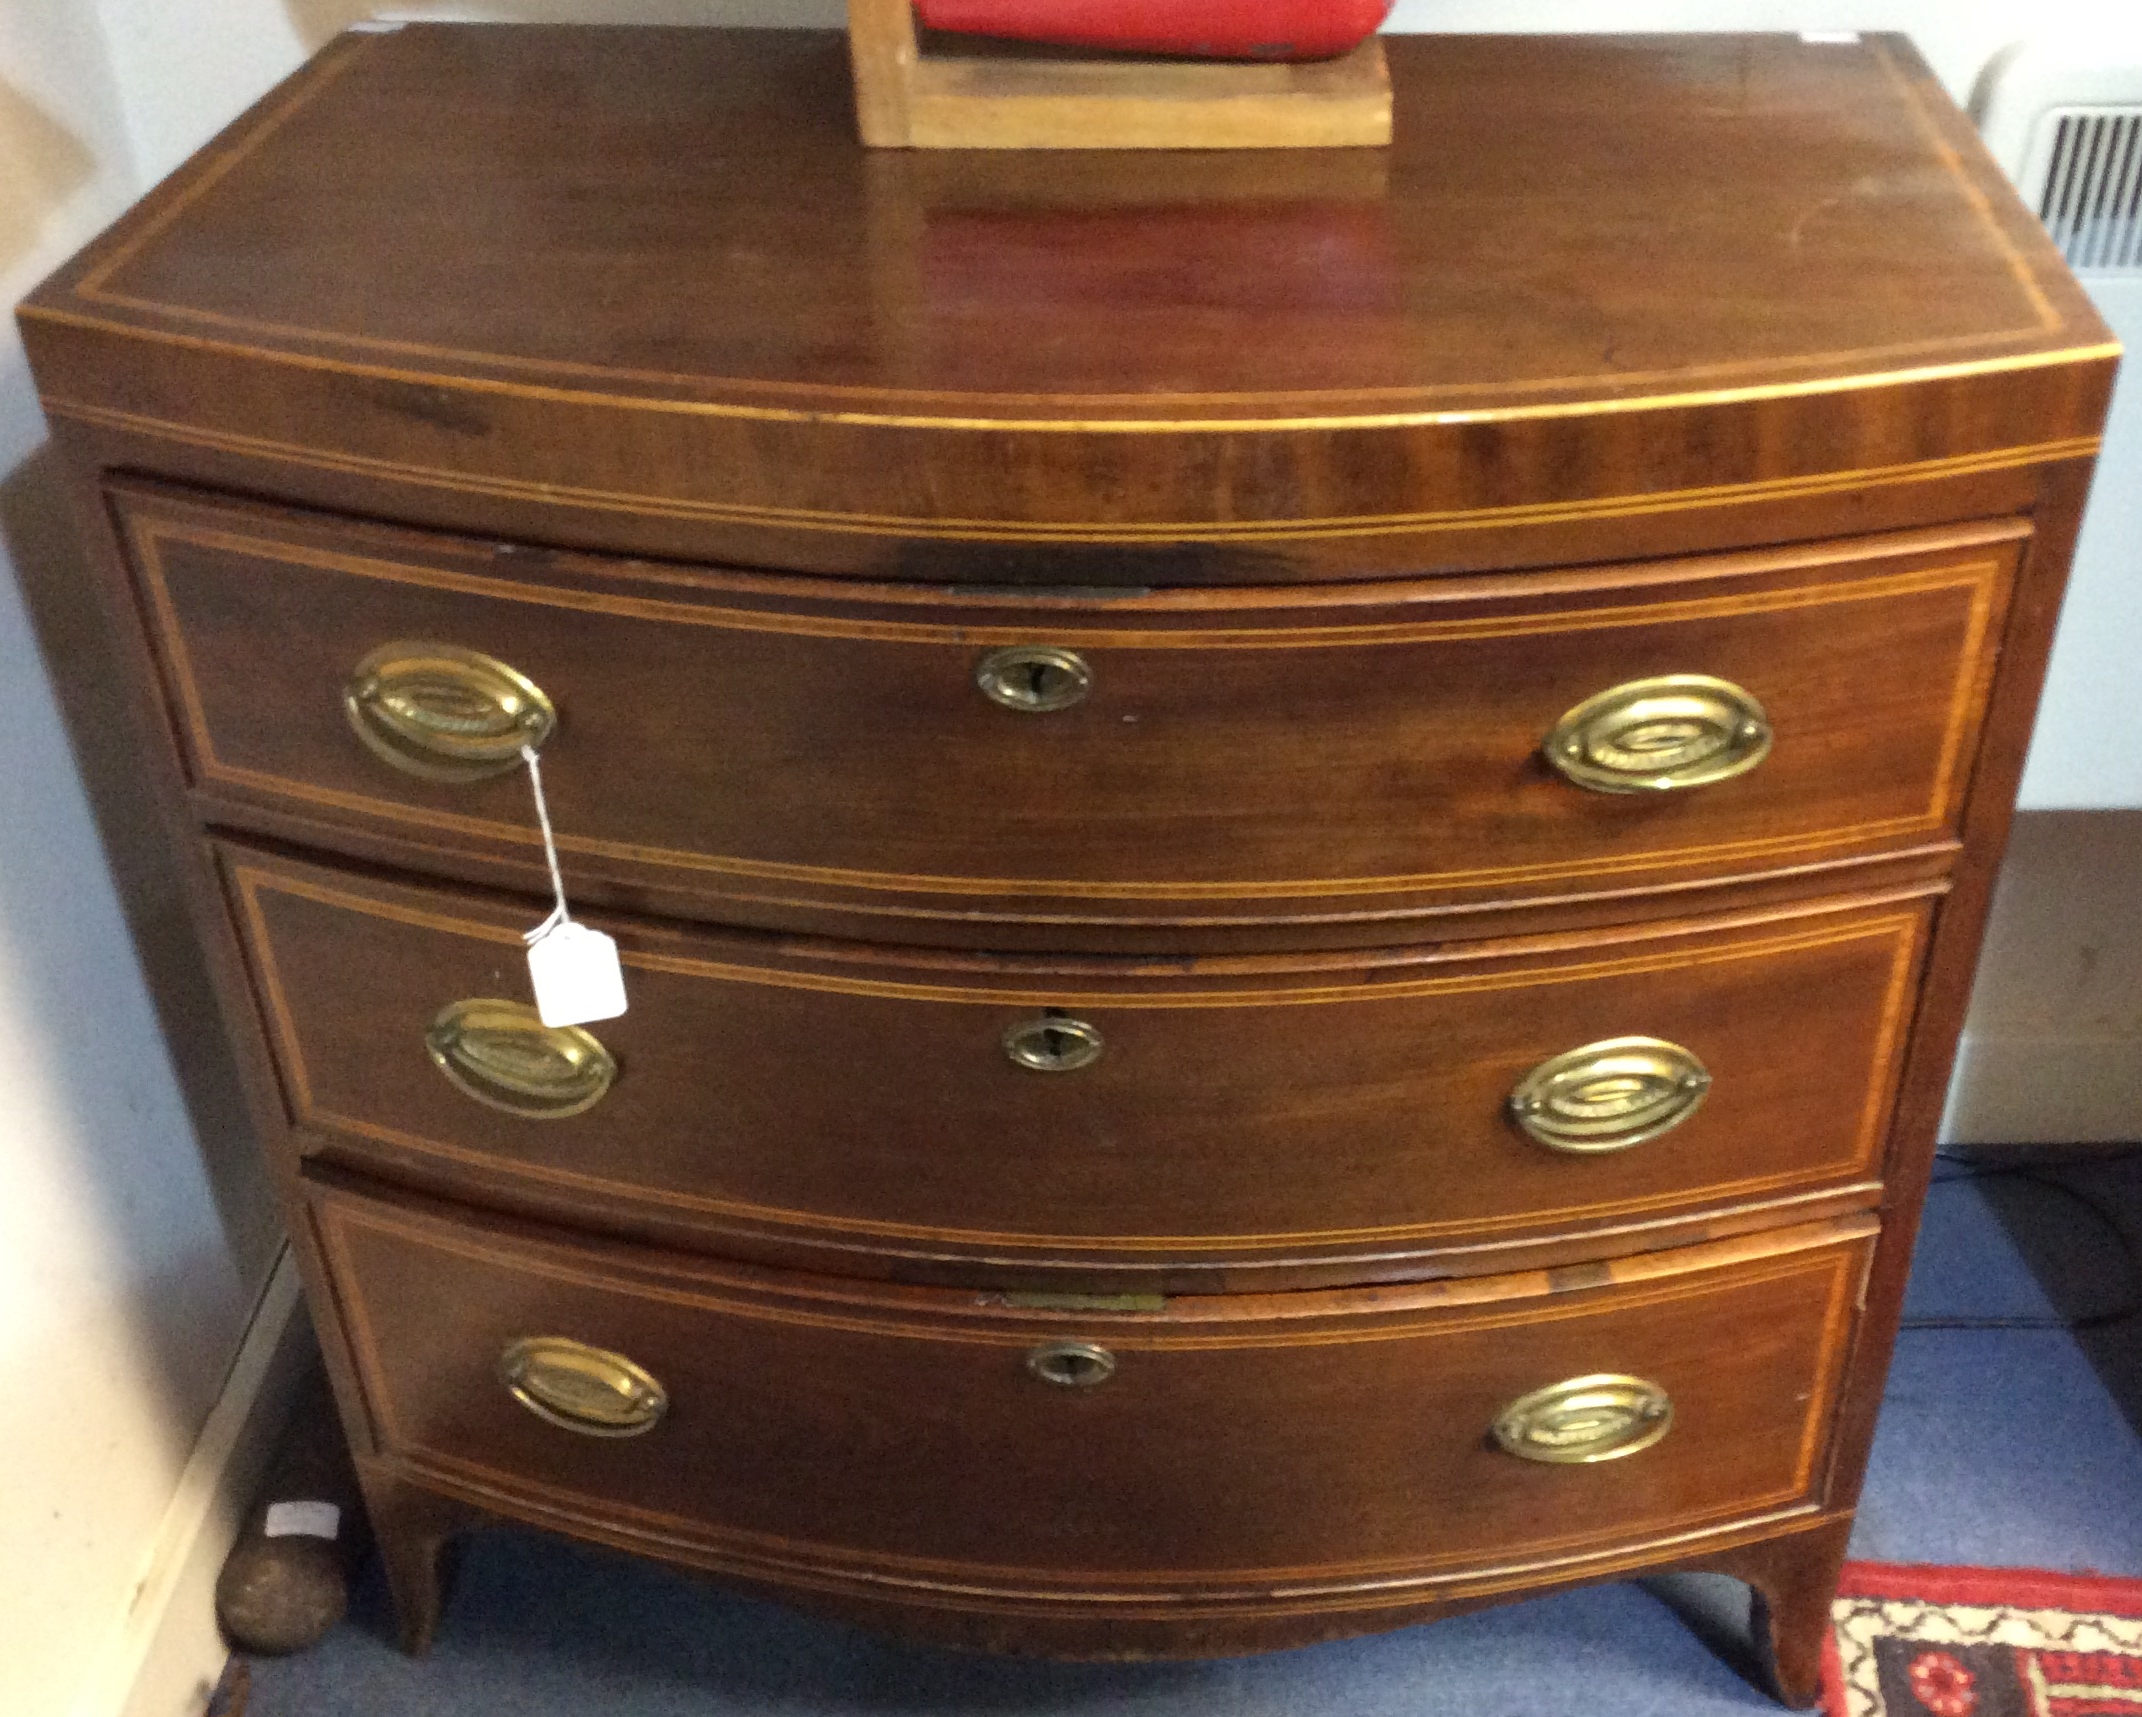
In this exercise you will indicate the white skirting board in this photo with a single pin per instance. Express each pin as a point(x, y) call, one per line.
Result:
point(164, 1656)
point(2052, 1053)
point(2045, 1091)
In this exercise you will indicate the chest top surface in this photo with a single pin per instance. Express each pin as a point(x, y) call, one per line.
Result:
point(686, 213)
point(642, 289)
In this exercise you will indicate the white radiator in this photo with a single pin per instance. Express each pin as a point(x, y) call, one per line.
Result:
point(2064, 116)
point(2052, 1053)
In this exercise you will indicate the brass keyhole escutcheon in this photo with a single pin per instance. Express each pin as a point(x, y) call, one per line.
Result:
point(1072, 1364)
point(1660, 735)
point(445, 714)
point(1610, 1095)
point(580, 1388)
point(1034, 678)
point(1585, 1420)
point(501, 1053)
point(1054, 1043)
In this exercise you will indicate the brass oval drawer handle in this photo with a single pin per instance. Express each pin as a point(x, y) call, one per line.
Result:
point(1034, 678)
point(501, 1053)
point(1610, 1095)
point(1661, 735)
point(445, 714)
point(1072, 1364)
point(582, 1388)
point(1586, 1419)
point(1054, 1043)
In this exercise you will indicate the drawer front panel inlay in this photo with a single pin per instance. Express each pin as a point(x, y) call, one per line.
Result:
point(1206, 757)
point(1246, 1112)
point(1319, 1441)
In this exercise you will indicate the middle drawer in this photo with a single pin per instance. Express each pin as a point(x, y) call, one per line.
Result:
point(1174, 1125)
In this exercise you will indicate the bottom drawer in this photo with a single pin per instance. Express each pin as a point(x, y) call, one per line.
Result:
point(1211, 1455)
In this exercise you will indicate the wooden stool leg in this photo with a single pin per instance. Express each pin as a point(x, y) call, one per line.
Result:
point(1791, 1590)
point(412, 1528)
point(882, 50)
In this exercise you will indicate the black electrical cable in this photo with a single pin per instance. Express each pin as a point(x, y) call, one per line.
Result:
point(2035, 1173)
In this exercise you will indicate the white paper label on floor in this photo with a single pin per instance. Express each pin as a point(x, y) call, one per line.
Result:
point(303, 1520)
point(577, 975)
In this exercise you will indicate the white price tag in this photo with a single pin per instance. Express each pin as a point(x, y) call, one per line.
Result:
point(576, 974)
point(303, 1520)
point(575, 970)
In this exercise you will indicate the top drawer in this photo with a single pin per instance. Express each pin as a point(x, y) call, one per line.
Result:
point(918, 759)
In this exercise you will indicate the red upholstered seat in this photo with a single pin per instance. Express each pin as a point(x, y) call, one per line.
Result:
point(1218, 29)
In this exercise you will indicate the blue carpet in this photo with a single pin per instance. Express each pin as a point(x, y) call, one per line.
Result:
point(2003, 1447)
point(2007, 1448)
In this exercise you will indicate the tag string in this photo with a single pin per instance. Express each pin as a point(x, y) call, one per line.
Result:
point(558, 914)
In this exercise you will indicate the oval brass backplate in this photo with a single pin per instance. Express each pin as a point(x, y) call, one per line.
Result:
point(1054, 1043)
point(1034, 678)
point(501, 1053)
point(582, 1388)
point(1586, 1419)
point(445, 714)
point(1072, 1364)
point(1661, 735)
point(1610, 1095)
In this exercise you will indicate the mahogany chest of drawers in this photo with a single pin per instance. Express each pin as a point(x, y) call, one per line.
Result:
point(1298, 839)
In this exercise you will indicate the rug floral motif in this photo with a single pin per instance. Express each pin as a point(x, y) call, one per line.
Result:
point(1983, 1642)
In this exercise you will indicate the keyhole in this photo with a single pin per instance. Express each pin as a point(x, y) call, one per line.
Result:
point(1034, 678)
point(1054, 1043)
point(1072, 1364)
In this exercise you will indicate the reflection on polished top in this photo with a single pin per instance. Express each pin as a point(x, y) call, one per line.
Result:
point(1790, 261)
point(1809, 214)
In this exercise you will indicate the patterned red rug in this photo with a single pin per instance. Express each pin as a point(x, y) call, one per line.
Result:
point(1983, 1642)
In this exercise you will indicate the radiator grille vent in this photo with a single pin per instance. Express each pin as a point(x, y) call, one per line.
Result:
point(2092, 202)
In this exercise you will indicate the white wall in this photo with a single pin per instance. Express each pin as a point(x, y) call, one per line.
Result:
point(120, 1301)
point(2087, 751)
